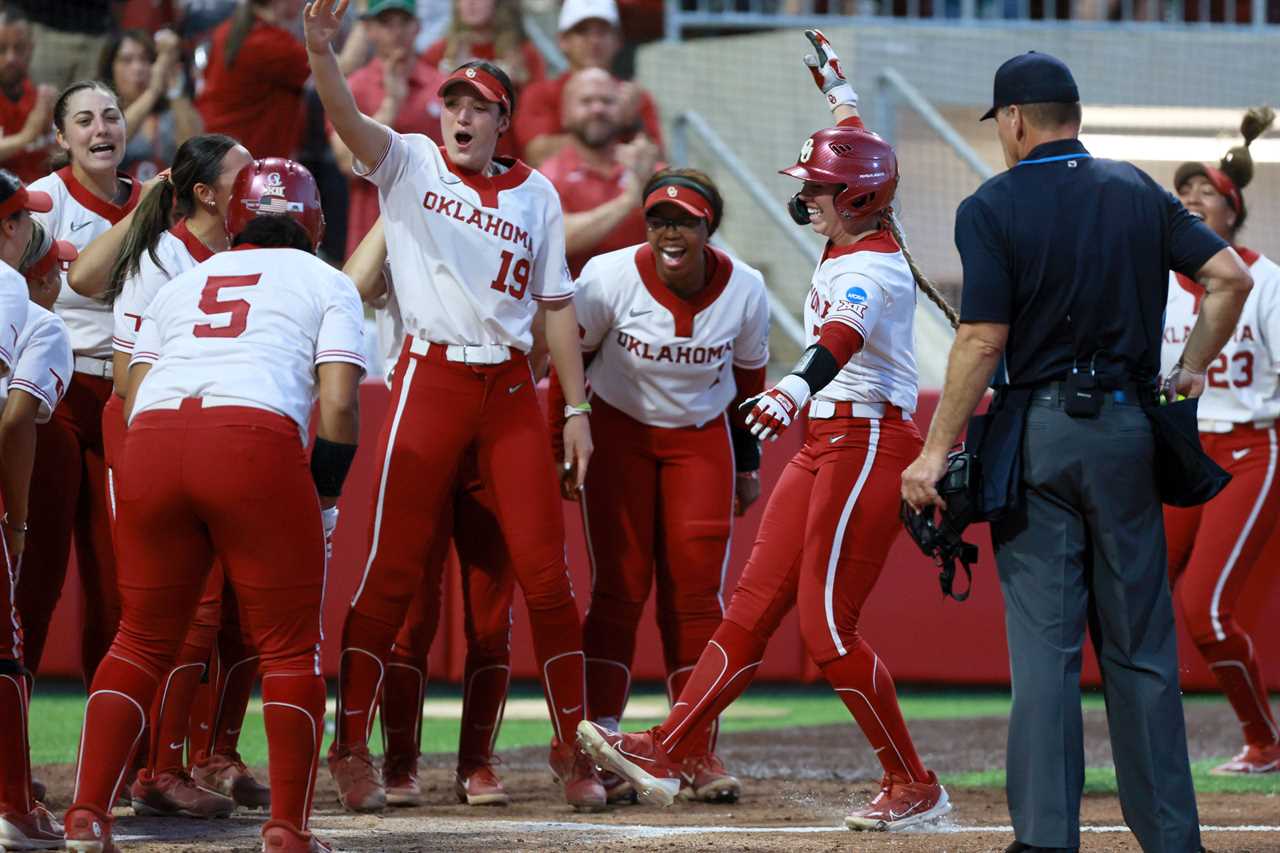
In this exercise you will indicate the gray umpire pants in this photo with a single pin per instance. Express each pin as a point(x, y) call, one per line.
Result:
point(1088, 548)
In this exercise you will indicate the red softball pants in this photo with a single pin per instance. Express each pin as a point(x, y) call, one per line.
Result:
point(69, 495)
point(232, 483)
point(658, 504)
point(1213, 550)
point(15, 754)
point(441, 412)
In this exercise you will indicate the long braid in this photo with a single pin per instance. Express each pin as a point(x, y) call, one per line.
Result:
point(922, 281)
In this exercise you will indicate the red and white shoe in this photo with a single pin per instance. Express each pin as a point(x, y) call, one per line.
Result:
point(359, 782)
point(900, 805)
point(35, 830)
point(279, 836)
point(705, 779)
point(172, 793)
point(88, 830)
point(1252, 759)
point(227, 774)
point(636, 757)
point(400, 776)
point(618, 791)
point(577, 774)
point(480, 786)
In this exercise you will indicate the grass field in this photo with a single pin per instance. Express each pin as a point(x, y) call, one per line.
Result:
point(57, 711)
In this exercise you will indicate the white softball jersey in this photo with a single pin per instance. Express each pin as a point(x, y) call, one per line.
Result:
point(43, 362)
point(869, 287)
point(178, 250)
point(1243, 383)
point(249, 325)
point(15, 302)
point(470, 254)
point(664, 360)
point(78, 216)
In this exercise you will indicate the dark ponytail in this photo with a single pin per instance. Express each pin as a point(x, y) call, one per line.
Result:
point(1238, 162)
point(242, 21)
point(198, 161)
point(62, 159)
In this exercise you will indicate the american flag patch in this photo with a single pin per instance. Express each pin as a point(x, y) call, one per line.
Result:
point(270, 204)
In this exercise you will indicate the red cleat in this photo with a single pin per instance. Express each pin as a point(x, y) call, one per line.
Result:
point(617, 791)
point(280, 836)
point(172, 793)
point(900, 805)
point(226, 774)
point(706, 780)
point(360, 787)
point(575, 771)
point(1251, 759)
point(400, 774)
point(637, 757)
point(88, 830)
point(480, 786)
point(35, 830)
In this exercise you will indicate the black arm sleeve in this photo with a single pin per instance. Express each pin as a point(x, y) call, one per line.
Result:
point(746, 450)
point(330, 462)
point(817, 367)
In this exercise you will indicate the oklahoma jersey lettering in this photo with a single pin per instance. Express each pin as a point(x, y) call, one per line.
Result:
point(868, 286)
point(43, 362)
point(667, 361)
point(1241, 384)
point(79, 216)
point(249, 324)
point(178, 250)
point(470, 254)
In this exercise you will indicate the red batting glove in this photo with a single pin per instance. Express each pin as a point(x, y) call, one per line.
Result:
point(824, 67)
point(773, 411)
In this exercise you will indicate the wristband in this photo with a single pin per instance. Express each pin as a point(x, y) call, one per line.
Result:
point(330, 462)
point(580, 409)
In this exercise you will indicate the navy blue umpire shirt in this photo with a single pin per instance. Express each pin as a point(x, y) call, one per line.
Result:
point(1073, 253)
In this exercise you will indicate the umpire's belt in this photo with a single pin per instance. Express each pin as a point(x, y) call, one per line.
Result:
point(1053, 393)
point(465, 353)
point(848, 409)
point(100, 367)
point(1207, 425)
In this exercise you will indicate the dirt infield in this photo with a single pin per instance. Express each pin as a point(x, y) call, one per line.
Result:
point(798, 786)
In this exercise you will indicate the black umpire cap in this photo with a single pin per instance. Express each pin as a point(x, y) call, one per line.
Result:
point(1032, 78)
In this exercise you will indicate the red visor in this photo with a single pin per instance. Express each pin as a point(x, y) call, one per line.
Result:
point(60, 253)
point(689, 199)
point(489, 87)
point(28, 199)
point(1223, 185)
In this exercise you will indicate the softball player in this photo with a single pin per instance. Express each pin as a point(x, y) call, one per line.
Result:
point(69, 482)
point(834, 513)
point(35, 354)
point(1214, 548)
point(232, 354)
point(675, 331)
point(475, 243)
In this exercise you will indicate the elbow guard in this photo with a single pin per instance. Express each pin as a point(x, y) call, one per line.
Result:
point(817, 367)
point(330, 462)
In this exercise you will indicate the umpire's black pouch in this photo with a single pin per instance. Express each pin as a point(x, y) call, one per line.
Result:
point(1185, 474)
point(996, 439)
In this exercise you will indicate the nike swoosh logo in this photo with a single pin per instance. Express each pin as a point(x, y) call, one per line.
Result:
point(836, 438)
point(908, 810)
point(350, 713)
point(233, 731)
point(635, 313)
point(80, 225)
point(514, 388)
point(570, 710)
point(1239, 454)
point(177, 745)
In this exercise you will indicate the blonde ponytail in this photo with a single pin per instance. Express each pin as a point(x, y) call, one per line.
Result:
point(922, 281)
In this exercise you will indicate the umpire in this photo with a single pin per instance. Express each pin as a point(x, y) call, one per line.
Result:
point(1066, 267)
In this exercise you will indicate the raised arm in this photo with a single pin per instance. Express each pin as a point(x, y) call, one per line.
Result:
point(828, 76)
point(366, 138)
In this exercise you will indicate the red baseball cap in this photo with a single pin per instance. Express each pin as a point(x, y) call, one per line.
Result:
point(489, 88)
point(681, 196)
point(32, 200)
point(46, 253)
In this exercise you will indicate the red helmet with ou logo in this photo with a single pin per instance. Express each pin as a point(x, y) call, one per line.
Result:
point(859, 159)
point(277, 186)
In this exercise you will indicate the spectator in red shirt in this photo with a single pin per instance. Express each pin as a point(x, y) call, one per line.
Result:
point(492, 30)
point(398, 89)
point(599, 178)
point(26, 110)
point(253, 83)
point(590, 38)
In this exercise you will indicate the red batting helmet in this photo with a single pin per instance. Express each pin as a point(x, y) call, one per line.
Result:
point(859, 159)
point(275, 185)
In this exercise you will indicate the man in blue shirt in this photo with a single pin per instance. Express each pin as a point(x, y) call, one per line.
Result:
point(1066, 264)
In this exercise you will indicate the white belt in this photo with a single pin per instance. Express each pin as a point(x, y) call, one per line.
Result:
point(465, 353)
point(100, 367)
point(1207, 425)
point(213, 401)
point(821, 409)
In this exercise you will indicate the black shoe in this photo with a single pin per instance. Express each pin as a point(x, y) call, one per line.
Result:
point(1019, 847)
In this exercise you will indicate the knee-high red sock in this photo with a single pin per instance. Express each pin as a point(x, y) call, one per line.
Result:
point(403, 690)
point(293, 714)
point(200, 723)
point(557, 644)
point(700, 741)
point(15, 755)
point(115, 716)
point(865, 686)
point(722, 673)
point(231, 699)
point(171, 710)
point(608, 686)
point(366, 643)
point(483, 699)
point(1236, 668)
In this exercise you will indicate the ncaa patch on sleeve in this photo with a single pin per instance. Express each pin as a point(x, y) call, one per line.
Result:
point(856, 295)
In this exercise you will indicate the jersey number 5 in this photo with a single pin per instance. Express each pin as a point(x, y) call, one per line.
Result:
point(213, 306)
point(520, 275)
